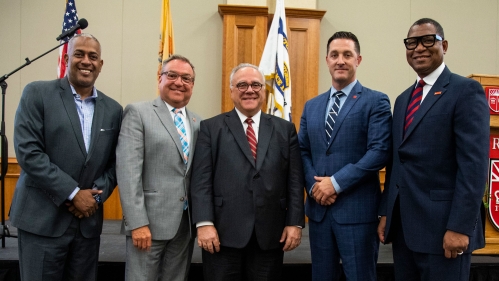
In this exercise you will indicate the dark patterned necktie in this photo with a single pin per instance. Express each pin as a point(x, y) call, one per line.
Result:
point(414, 104)
point(332, 115)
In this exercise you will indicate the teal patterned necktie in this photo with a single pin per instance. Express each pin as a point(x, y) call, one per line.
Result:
point(182, 134)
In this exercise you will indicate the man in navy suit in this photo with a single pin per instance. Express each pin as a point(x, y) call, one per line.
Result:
point(431, 204)
point(342, 154)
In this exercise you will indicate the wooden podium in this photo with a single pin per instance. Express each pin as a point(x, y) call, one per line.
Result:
point(491, 233)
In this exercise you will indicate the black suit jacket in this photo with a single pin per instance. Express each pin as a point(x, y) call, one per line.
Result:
point(51, 152)
point(239, 195)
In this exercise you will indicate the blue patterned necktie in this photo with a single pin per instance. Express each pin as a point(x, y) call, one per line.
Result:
point(182, 134)
point(332, 115)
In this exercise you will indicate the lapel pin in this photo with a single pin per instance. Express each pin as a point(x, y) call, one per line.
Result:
point(437, 93)
point(355, 96)
point(194, 119)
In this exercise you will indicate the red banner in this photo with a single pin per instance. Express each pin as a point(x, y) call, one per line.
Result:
point(494, 193)
point(492, 94)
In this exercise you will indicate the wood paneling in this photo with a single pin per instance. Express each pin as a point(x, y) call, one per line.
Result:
point(303, 39)
point(244, 34)
point(13, 172)
point(112, 206)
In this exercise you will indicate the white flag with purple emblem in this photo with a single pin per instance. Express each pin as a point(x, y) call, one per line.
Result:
point(275, 66)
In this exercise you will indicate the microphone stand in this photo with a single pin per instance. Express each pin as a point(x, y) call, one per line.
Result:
point(4, 155)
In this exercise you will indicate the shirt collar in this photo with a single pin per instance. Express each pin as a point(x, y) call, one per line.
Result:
point(256, 117)
point(432, 77)
point(75, 94)
point(345, 90)
point(170, 108)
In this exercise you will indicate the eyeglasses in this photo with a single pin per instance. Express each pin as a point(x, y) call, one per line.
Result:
point(412, 43)
point(243, 86)
point(173, 76)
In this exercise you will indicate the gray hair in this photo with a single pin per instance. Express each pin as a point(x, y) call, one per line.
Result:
point(86, 35)
point(243, 65)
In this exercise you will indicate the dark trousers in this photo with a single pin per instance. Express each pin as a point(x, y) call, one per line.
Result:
point(250, 263)
point(70, 257)
point(414, 266)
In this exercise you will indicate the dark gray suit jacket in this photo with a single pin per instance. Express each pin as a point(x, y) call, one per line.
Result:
point(49, 146)
point(239, 196)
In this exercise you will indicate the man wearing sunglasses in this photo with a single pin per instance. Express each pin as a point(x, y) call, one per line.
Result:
point(154, 156)
point(247, 183)
point(430, 207)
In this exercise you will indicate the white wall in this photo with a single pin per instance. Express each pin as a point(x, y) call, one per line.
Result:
point(129, 33)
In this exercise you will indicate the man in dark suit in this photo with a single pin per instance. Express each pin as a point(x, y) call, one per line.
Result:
point(246, 186)
point(342, 153)
point(65, 136)
point(430, 207)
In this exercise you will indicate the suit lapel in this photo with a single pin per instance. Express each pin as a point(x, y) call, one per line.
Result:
point(399, 114)
point(429, 100)
point(234, 123)
point(322, 113)
point(193, 123)
point(352, 98)
point(264, 133)
point(70, 107)
point(166, 119)
point(96, 122)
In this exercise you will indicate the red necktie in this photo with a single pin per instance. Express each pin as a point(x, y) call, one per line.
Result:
point(250, 135)
point(414, 104)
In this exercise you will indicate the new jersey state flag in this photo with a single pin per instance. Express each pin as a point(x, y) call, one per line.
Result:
point(275, 66)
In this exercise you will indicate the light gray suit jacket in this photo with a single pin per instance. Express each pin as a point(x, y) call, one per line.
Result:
point(51, 152)
point(152, 177)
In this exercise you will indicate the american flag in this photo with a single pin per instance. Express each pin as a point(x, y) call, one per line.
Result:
point(70, 19)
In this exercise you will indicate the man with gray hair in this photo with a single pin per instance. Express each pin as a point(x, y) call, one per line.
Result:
point(246, 186)
point(65, 136)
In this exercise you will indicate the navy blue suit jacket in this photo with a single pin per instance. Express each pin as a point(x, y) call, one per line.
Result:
point(360, 147)
point(439, 170)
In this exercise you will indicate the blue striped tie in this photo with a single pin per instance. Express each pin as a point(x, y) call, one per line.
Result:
point(182, 134)
point(332, 114)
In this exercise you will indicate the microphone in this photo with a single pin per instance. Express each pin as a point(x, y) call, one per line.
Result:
point(82, 24)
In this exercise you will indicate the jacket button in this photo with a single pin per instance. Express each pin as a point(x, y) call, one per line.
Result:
point(257, 176)
point(182, 199)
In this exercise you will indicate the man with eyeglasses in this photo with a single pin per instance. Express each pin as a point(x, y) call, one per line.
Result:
point(345, 140)
point(154, 160)
point(246, 188)
point(432, 202)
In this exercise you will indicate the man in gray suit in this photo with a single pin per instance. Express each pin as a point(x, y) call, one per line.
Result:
point(154, 155)
point(65, 136)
